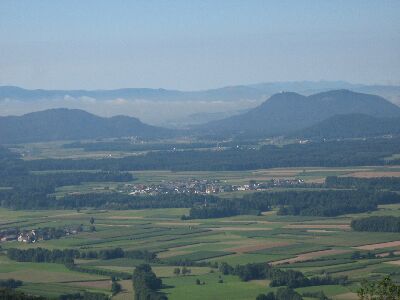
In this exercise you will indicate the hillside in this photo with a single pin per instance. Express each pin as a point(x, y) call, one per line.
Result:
point(351, 126)
point(287, 112)
point(70, 124)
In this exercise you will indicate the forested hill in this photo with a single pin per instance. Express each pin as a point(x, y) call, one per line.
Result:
point(72, 124)
point(287, 112)
point(351, 126)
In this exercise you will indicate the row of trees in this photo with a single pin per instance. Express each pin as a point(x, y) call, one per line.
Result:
point(68, 255)
point(42, 255)
point(377, 224)
point(103, 272)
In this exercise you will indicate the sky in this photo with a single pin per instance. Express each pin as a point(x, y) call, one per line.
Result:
point(196, 44)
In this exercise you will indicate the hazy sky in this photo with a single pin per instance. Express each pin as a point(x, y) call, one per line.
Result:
point(192, 44)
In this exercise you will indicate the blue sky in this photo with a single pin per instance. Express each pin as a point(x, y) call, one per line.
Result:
point(196, 44)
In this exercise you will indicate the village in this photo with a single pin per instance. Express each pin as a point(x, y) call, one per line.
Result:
point(35, 235)
point(206, 186)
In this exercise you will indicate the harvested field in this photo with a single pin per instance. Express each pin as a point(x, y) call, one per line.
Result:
point(173, 253)
point(386, 254)
point(379, 245)
point(309, 256)
point(394, 262)
point(268, 213)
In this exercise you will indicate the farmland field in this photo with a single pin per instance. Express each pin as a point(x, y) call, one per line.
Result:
point(287, 242)
point(308, 243)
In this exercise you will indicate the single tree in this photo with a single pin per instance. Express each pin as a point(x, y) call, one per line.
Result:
point(177, 271)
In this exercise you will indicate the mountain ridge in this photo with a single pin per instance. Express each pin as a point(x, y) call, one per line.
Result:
point(72, 124)
point(288, 111)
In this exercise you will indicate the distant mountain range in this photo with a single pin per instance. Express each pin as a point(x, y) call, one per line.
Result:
point(230, 93)
point(332, 114)
point(287, 112)
point(72, 124)
point(172, 108)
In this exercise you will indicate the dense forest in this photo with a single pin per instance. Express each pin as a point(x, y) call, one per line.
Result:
point(377, 183)
point(318, 154)
point(377, 224)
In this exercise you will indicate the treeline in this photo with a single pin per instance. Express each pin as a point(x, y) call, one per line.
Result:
point(115, 274)
point(316, 154)
point(30, 191)
point(146, 284)
point(377, 224)
point(286, 293)
point(11, 294)
point(281, 294)
point(84, 296)
point(327, 203)
point(278, 277)
point(227, 208)
point(118, 253)
point(377, 183)
point(53, 180)
point(41, 255)
point(68, 255)
point(123, 201)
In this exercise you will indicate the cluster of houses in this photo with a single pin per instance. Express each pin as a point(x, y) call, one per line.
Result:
point(34, 235)
point(205, 186)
